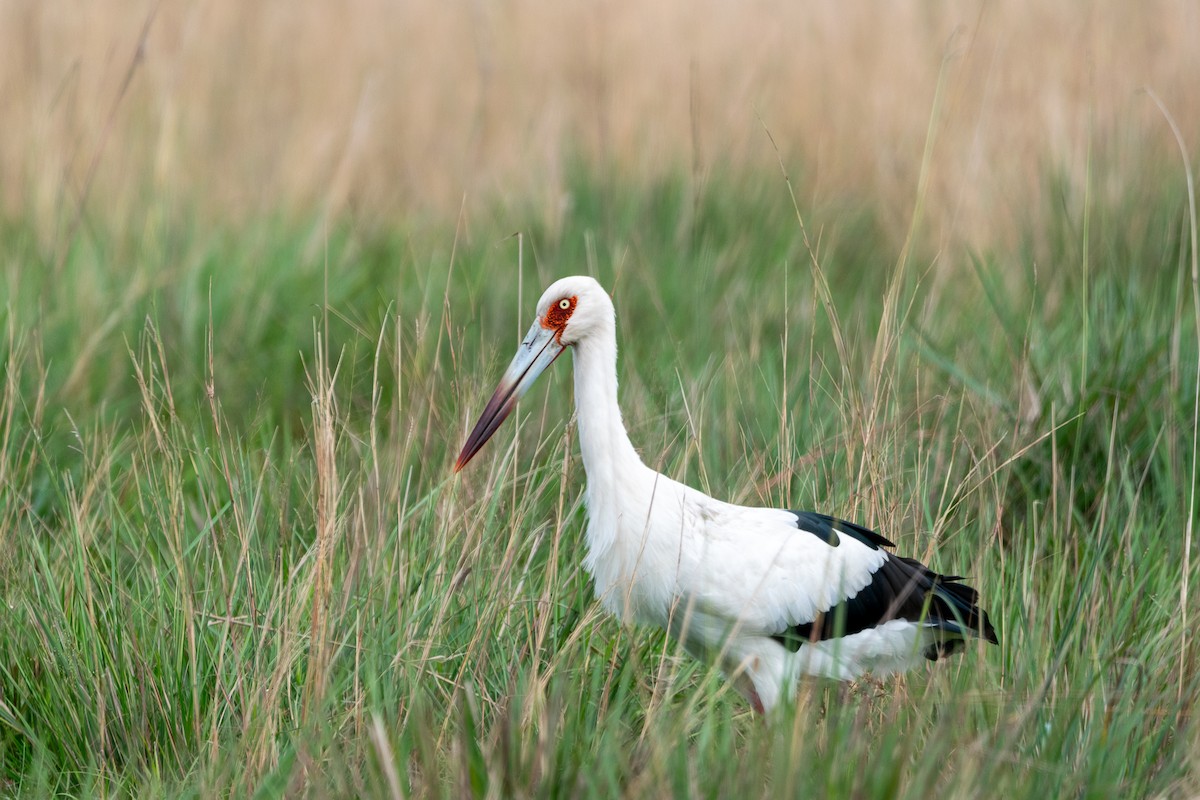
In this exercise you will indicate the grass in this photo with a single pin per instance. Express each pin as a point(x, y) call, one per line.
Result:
point(233, 559)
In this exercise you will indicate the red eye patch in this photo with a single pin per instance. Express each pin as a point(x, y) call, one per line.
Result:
point(559, 312)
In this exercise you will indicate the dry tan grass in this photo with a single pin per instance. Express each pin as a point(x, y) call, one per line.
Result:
point(396, 108)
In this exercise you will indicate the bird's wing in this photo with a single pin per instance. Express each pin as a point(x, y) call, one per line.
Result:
point(801, 576)
point(898, 588)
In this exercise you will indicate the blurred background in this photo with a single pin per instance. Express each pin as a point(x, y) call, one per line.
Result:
point(422, 109)
point(258, 276)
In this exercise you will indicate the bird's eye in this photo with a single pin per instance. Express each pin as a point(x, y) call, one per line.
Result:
point(558, 314)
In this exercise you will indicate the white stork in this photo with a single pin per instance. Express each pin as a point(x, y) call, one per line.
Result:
point(767, 594)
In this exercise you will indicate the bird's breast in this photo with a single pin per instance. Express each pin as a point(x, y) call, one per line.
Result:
point(634, 564)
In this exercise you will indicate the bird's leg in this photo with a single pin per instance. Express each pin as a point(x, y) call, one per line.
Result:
point(743, 681)
point(751, 694)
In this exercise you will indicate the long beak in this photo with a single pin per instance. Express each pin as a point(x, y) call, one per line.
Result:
point(537, 351)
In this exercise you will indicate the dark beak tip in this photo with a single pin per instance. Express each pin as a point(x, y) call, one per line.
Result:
point(504, 399)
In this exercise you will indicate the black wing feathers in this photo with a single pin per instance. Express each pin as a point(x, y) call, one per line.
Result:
point(824, 526)
point(901, 588)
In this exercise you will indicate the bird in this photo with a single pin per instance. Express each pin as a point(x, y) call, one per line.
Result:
point(766, 595)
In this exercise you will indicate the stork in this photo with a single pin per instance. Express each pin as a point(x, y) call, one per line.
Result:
point(766, 594)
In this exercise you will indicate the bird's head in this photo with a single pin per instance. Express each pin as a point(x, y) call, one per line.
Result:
point(573, 308)
point(569, 312)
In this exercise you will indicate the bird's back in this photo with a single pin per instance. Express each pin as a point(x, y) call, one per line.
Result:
point(751, 566)
point(707, 570)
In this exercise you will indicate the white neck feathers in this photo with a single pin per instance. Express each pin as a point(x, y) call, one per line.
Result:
point(609, 459)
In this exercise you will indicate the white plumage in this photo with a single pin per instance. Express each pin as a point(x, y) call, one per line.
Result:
point(768, 594)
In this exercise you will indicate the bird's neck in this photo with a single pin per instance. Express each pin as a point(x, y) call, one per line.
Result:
point(608, 455)
point(617, 480)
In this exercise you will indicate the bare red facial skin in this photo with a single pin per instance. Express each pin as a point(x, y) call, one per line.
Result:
point(557, 315)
